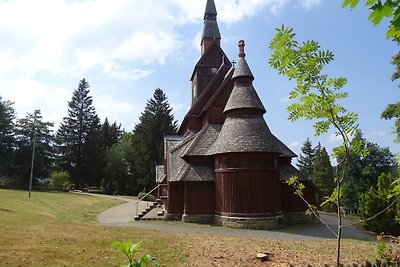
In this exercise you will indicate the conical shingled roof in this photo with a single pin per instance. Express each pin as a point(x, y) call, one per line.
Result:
point(243, 95)
point(211, 29)
point(244, 129)
point(211, 10)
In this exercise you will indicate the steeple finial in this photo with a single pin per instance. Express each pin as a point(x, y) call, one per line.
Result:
point(211, 10)
point(242, 69)
point(211, 34)
point(241, 49)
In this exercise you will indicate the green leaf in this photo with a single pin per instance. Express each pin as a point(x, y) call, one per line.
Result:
point(370, 2)
point(352, 3)
point(380, 11)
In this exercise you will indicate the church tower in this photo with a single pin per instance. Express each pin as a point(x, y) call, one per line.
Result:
point(211, 34)
point(212, 57)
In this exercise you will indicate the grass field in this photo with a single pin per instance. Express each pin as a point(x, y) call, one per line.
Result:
point(60, 229)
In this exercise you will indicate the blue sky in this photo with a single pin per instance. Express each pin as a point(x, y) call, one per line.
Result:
point(127, 48)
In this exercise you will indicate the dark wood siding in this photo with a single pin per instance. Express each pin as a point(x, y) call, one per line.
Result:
point(175, 198)
point(292, 202)
point(248, 192)
point(199, 198)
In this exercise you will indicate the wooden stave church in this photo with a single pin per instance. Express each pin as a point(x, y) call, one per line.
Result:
point(225, 166)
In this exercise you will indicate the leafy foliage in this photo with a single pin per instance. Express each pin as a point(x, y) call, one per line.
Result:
point(26, 130)
point(392, 111)
point(365, 170)
point(376, 200)
point(118, 178)
point(381, 9)
point(7, 116)
point(129, 250)
point(317, 98)
point(317, 94)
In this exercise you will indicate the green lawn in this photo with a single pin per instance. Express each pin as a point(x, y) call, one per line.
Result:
point(60, 229)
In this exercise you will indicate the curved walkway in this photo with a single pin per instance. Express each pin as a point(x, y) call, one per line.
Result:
point(123, 216)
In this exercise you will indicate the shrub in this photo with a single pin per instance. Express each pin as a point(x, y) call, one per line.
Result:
point(374, 201)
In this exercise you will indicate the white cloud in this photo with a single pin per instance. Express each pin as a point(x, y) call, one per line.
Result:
point(309, 4)
point(234, 11)
point(114, 70)
point(117, 110)
point(334, 138)
point(46, 44)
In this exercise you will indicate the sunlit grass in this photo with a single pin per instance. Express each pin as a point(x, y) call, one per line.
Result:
point(60, 229)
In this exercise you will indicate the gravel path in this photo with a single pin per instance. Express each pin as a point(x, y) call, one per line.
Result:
point(123, 216)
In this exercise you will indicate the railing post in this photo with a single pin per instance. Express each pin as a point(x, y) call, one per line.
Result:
point(147, 202)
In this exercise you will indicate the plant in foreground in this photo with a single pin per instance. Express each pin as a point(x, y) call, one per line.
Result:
point(129, 250)
point(388, 252)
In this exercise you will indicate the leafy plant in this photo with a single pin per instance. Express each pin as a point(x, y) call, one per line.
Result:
point(388, 252)
point(381, 9)
point(316, 98)
point(129, 250)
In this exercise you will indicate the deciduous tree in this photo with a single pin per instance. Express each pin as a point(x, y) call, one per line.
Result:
point(26, 130)
point(316, 98)
point(7, 116)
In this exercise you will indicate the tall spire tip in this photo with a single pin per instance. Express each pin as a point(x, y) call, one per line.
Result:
point(241, 49)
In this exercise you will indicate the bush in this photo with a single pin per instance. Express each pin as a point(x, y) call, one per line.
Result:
point(61, 179)
point(374, 201)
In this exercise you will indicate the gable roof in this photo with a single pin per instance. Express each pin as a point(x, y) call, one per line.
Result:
point(192, 145)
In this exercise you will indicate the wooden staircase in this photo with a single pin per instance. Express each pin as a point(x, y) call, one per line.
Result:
point(157, 215)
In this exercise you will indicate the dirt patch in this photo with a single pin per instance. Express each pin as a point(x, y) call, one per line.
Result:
point(207, 250)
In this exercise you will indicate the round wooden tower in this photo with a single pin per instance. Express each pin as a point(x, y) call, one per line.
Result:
point(246, 158)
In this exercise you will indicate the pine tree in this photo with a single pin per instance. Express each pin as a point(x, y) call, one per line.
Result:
point(7, 116)
point(322, 174)
point(111, 134)
point(93, 155)
point(306, 159)
point(155, 122)
point(74, 130)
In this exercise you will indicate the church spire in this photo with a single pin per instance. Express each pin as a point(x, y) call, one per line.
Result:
point(211, 34)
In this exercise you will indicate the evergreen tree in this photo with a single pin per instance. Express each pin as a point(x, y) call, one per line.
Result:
point(7, 116)
point(110, 134)
point(155, 122)
point(74, 131)
point(30, 128)
point(306, 159)
point(322, 174)
point(365, 170)
point(374, 201)
point(93, 155)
